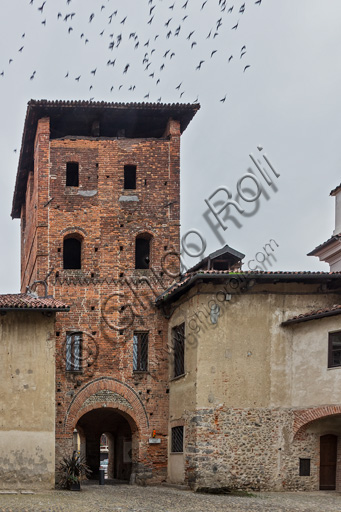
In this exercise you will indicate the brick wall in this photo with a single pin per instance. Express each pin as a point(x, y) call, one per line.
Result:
point(98, 213)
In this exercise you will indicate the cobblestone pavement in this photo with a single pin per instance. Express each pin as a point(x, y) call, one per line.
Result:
point(124, 498)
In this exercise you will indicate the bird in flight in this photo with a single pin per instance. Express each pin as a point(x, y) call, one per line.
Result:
point(41, 8)
point(246, 67)
point(236, 26)
point(203, 5)
point(200, 64)
point(223, 99)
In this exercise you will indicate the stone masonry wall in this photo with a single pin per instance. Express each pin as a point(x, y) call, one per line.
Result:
point(248, 449)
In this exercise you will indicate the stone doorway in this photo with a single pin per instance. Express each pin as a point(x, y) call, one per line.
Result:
point(119, 433)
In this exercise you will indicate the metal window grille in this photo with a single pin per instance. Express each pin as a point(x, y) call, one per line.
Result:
point(178, 339)
point(74, 352)
point(334, 352)
point(140, 352)
point(178, 439)
point(304, 467)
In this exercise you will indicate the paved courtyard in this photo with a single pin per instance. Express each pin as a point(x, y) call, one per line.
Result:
point(126, 498)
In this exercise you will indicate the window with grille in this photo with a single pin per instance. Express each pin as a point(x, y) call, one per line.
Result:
point(178, 341)
point(72, 174)
point(177, 439)
point(334, 349)
point(74, 352)
point(140, 352)
point(304, 467)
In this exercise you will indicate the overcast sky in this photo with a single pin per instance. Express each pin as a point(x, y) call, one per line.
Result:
point(287, 101)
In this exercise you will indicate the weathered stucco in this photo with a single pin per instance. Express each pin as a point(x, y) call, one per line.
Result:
point(246, 379)
point(27, 404)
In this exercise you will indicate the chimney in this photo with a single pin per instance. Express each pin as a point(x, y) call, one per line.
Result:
point(337, 194)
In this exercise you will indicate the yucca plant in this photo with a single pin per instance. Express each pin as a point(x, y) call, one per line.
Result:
point(71, 470)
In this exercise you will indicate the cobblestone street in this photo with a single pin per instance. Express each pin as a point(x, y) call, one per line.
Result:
point(126, 498)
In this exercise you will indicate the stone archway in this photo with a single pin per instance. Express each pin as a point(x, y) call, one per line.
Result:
point(122, 437)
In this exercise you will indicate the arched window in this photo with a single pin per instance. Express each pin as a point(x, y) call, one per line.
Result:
point(72, 253)
point(72, 174)
point(142, 251)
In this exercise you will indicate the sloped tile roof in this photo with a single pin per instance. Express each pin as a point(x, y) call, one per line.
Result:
point(280, 275)
point(314, 315)
point(25, 301)
point(333, 238)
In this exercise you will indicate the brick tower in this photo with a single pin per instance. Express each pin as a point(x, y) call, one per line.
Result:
point(98, 195)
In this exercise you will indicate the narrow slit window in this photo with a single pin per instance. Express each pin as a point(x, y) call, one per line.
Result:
point(72, 253)
point(130, 177)
point(72, 174)
point(142, 252)
point(140, 352)
point(74, 352)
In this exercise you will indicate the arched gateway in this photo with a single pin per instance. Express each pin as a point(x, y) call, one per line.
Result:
point(107, 406)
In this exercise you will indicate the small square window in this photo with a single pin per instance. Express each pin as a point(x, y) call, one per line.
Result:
point(177, 439)
point(304, 467)
point(334, 349)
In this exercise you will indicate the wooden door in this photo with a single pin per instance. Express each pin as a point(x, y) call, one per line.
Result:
point(328, 451)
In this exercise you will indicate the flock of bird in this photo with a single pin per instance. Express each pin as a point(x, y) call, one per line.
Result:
point(159, 25)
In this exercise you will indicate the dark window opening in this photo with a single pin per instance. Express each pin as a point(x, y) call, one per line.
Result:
point(304, 467)
point(140, 352)
point(177, 439)
point(72, 254)
point(334, 349)
point(178, 340)
point(72, 174)
point(130, 177)
point(142, 252)
point(74, 352)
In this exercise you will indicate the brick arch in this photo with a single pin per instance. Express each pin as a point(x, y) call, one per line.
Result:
point(303, 418)
point(137, 413)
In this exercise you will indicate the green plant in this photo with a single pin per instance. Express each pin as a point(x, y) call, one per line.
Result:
point(71, 470)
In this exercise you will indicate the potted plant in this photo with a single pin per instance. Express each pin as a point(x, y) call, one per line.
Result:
point(71, 470)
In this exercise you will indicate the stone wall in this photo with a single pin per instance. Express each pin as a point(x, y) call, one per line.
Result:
point(248, 449)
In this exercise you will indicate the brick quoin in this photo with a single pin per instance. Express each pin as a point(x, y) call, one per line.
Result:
point(109, 299)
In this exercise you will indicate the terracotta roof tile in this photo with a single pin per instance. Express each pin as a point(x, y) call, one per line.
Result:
point(314, 315)
point(25, 301)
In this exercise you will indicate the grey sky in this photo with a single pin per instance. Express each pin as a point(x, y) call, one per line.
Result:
point(288, 101)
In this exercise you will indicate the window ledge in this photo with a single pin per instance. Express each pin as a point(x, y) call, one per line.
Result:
point(177, 378)
point(334, 367)
point(140, 372)
point(176, 453)
point(78, 372)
